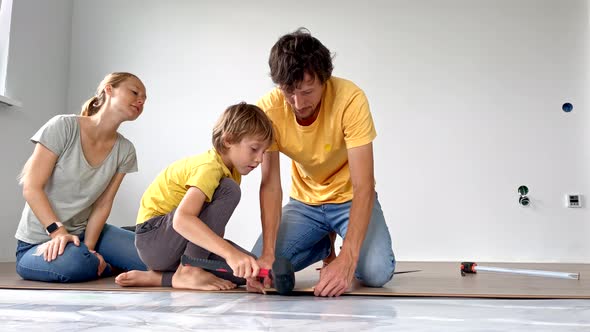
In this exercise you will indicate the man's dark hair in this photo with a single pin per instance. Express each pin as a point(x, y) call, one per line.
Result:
point(295, 54)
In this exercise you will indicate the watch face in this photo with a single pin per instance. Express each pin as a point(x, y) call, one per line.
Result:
point(52, 228)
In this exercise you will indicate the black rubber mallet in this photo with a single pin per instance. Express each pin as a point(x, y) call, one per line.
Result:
point(282, 273)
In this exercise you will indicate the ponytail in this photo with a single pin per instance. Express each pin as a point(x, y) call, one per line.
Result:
point(87, 108)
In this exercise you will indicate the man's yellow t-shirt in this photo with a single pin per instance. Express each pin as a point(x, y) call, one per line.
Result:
point(319, 168)
point(203, 171)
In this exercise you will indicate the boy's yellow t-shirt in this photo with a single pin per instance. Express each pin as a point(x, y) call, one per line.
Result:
point(319, 168)
point(164, 194)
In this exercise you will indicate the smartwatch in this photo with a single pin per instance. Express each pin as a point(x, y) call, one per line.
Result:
point(53, 227)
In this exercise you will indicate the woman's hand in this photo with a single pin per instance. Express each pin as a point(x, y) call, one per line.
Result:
point(56, 246)
point(102, 264)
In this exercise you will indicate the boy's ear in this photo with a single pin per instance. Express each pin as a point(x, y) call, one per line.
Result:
point(227, 141)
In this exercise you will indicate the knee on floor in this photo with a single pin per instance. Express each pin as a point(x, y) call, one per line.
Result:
point(59, 272)
point(375, 273)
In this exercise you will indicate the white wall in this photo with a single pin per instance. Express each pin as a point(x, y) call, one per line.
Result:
point(37, 75)
point(466, 96)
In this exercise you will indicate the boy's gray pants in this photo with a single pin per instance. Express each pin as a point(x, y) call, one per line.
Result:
point(160, 247)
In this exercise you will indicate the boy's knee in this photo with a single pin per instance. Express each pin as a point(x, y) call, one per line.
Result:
point(229, 189)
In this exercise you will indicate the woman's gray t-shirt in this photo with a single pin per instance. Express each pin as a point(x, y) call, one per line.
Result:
point(74, 185)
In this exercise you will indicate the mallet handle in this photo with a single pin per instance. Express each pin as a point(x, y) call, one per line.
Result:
point(213, 265)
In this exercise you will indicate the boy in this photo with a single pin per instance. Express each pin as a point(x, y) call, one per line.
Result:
point(186, 208)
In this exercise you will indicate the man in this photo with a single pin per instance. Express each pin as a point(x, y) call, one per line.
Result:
point(324, 125)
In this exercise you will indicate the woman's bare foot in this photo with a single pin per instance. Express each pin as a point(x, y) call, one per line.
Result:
point(137, 278)
point(190, 277)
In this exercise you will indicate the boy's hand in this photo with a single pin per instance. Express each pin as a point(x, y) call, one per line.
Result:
point(243, 265)
point(256, 285)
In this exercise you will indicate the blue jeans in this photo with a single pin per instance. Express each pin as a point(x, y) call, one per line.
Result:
point(78, 264)
point(303, 238)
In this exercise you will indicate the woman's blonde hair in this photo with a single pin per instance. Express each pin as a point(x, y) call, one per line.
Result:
point(92, 105)
point(239, 121)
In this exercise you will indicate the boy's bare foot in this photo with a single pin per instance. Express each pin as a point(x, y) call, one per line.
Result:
point(139, 279)
point(332, 255)
point(190, 277)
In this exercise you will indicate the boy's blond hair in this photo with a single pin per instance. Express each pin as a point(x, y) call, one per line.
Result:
point(239, 121)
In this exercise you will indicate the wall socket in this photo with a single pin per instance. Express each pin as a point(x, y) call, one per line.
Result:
point(573, 200)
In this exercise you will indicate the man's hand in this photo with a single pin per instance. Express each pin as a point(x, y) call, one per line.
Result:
point(336, 277)
point(253, 284)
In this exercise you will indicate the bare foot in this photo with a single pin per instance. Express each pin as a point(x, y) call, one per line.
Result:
point(137, 278)
point(332, 255)
point(190, 277)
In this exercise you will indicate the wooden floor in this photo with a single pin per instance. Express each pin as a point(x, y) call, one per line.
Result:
point(421, 279)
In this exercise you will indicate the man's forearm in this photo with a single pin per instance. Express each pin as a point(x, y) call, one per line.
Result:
point(360, 216)
point(270, 213)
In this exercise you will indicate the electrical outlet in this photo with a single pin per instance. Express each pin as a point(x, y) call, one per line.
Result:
point(573, 200)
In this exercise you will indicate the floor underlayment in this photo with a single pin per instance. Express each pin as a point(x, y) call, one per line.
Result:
point(423, 279)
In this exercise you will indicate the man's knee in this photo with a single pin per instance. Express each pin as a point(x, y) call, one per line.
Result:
point(376, 271)
point(257, 249)
point(279, 248)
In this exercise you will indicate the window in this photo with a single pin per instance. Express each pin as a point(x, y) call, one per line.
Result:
point(5, 16)
point(5, 11)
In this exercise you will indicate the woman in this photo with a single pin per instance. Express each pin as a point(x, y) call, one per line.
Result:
point(69, 184)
